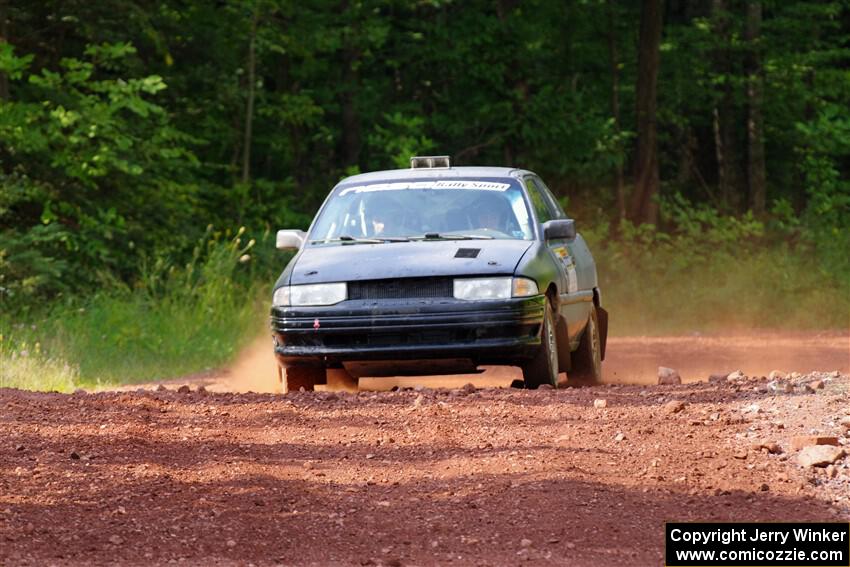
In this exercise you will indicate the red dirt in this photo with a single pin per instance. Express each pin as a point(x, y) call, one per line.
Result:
point(458, 476)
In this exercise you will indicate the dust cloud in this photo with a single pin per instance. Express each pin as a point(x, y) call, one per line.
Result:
point(630, 360)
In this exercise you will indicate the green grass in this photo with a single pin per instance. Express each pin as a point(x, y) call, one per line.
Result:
point(127, 338)
point(655, 284)
point(763, 290)
point(176, 322)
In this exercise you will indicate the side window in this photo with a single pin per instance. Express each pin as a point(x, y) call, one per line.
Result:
point(558, 212)
point(538, 201)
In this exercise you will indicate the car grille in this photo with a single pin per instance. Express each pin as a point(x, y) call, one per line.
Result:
point(401, 288)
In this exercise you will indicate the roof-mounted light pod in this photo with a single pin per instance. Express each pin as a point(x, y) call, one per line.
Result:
point(430, 162)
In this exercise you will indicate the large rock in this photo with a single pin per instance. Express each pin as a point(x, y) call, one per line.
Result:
point(801, 441)
point(736, 376)
point(674, 406)
point(819, 455)
point(668, 376)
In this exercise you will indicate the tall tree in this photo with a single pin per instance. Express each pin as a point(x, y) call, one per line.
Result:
point(724, 122)
point(249, 105)
point(644, 206)
point(4, 38)
point(756, 174)
point(615, 104)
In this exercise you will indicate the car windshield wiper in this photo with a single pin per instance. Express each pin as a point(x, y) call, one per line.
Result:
point(452, 236)
point(358, 240)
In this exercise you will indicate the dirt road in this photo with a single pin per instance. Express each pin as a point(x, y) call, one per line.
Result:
point(414, 477)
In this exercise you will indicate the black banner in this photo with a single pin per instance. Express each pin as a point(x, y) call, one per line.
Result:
point(758, 544)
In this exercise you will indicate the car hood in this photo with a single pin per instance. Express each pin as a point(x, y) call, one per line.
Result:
point(348, 262)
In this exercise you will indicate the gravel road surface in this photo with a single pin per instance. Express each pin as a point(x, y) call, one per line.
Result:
point(463, 476)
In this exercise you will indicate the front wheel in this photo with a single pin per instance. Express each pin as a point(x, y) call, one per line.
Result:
point(543, 368)
point(586, 368)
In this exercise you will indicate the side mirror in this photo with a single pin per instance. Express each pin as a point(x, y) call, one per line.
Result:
point(560, 229)
point(290, 239)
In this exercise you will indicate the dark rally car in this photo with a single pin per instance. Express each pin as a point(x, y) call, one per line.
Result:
point(438, 270)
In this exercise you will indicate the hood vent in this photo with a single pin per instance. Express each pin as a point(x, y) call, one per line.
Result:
point(467, 252)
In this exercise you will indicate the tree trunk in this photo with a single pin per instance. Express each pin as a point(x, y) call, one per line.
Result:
point(725, 139)
point(756, 173)
point(249, 107)
point(615, 105)
point(644, 205)
point(4, 38)
point(350, 118)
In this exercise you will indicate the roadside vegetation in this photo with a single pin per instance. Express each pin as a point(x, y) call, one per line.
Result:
point(176, 320)
point(714, 196)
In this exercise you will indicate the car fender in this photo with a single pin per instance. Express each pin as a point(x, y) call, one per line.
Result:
point(538, 264)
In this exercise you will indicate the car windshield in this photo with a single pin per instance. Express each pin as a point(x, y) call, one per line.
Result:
point(424, 208)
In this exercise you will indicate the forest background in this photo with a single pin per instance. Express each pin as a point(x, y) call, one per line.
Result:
point(149, 150)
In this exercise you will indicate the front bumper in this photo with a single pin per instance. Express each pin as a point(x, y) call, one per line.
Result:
point(483, 332)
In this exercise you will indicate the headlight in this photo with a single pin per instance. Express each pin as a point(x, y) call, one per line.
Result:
point(524, 287)
point(310, 295)
point(281, 297)
point(493, 288)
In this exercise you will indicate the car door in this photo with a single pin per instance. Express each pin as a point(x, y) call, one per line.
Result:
point(582, 260)
point(545, 210)
point(576, 263)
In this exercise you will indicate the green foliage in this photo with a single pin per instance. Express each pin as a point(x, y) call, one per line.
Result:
point(710, 272)
point(91, 161)
point(179, 319)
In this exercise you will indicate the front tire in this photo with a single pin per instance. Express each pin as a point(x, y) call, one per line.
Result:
point(543, 368)
point(586, 368)
point(306, 377)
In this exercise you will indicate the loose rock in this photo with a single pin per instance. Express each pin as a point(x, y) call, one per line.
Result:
point(819, 455)
point(798, 442)
point(600, 404)
point(668, 376)
point(781, 387)
point(184, 389)
point(776, 375)
point(674, 406)
point(770, 446)
point(736, 376)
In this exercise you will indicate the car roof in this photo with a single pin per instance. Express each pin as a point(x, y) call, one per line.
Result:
point(435, 173)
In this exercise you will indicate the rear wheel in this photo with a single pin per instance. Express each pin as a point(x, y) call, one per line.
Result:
point(306, 377)
point(586, 368)
point(543, 368)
